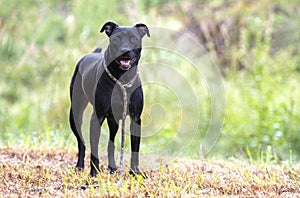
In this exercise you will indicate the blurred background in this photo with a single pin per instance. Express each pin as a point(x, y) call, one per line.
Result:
point(255, 45)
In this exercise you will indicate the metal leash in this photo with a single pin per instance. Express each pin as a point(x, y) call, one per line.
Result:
point(123, 89)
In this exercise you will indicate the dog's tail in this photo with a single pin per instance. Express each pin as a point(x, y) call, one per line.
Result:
point(97, 50)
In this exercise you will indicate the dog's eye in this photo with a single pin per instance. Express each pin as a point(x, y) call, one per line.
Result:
point(134, 39)
point(116, 40)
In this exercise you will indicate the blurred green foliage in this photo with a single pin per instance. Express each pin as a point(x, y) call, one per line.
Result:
point(41, 41)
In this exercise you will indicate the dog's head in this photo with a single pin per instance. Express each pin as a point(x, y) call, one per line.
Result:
point(125, 44)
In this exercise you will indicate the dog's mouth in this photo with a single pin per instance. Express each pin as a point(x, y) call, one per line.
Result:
point(125, 64)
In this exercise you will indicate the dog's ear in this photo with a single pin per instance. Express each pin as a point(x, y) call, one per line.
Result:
point(109, 28)
point(143, 29)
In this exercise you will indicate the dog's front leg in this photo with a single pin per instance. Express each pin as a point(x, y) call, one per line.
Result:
point(135, 129)
point(113, 129)
point(95, 131)
point(135, 110)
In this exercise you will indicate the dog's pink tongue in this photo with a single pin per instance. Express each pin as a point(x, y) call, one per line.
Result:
point(125, 62)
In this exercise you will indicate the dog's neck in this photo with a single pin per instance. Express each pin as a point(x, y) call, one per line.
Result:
point(121, 75)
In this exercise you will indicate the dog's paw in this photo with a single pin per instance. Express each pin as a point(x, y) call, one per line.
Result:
point(134, 171)
point(79, 168)
point(93, 173)
point(137, 174)
point(112, 170)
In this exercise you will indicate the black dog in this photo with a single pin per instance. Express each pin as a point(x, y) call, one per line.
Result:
point(94, 81)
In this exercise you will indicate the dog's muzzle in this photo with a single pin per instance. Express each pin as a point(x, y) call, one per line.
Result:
point(125, 64)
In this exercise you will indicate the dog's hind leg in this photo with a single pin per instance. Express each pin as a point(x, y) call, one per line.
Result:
point(78, 105)
point(95, 131)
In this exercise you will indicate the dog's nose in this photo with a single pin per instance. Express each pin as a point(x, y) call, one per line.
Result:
point(125, 49)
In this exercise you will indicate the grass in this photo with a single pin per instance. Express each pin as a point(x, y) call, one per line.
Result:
point(27, 173)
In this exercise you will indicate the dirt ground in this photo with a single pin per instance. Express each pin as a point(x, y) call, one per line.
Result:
point(27, 173)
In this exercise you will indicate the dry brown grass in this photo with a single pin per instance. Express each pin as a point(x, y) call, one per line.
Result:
point(50, 173)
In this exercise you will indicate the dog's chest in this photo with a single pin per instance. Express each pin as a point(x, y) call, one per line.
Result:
point(117, 103)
